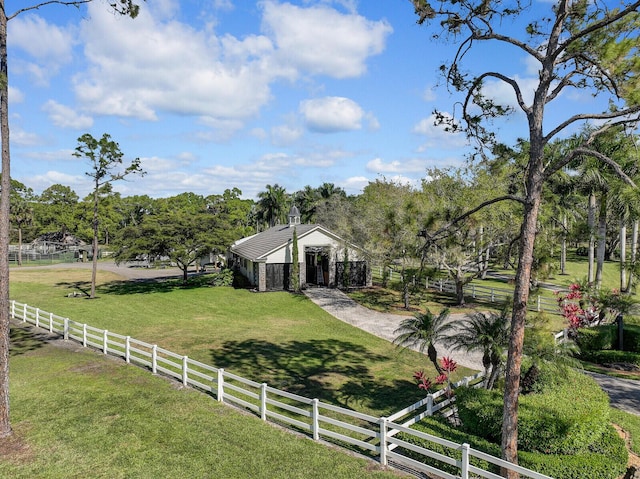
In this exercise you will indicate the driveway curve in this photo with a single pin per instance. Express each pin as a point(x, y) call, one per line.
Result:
point(624, 394)
point(382, 325)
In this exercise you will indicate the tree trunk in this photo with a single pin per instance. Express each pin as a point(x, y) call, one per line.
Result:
point(460, 292)
point(563, 248)
point(19, 246)
point(5, 189)
point(623, 255)
point(591, 221)
point(94, 268)
point(520, 298)
point(602, 240)
point(634, 248)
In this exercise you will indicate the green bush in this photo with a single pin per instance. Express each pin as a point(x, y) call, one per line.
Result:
point(567, 418)
point(596, 338)
point(606, 459)
point(631, 338)
point(222, 278)
point(564, 419)
point(611, 356)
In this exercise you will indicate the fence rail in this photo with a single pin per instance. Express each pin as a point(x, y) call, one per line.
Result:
point(536, 303)
point(368, 434)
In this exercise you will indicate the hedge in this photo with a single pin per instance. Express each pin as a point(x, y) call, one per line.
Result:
point(609, 356)
point(606, 459)
point(567, 418)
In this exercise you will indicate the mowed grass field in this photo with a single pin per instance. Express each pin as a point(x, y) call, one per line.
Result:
point(78, 414)
point(282, 339)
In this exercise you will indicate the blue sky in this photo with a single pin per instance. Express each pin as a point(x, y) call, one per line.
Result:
point(216, 94)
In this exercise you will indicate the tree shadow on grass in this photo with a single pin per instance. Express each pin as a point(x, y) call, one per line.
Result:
point(22, 340)
point(308, 368)
point(388, 397)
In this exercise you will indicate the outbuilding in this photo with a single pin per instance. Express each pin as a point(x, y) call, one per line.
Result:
point(324, 258)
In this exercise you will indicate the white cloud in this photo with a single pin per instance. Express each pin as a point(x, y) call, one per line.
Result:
point(321, 40)
point(140, 67)
point(65, 117)
point(429, 93)
point(436, 135)
point(15, 95)
point(355, 184)
point(50, 45)
point(503, 94)
point(19, 137)
point(283, 135)
point(410, 166)
point(331, 114)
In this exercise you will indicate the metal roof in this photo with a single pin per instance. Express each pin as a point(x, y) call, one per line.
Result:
point(259, 246)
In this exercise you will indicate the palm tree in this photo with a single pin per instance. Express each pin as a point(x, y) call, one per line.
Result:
point(421, 332)
point(273, 204)
point(488, 333)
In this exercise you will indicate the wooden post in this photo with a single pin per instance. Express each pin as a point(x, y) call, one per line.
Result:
point(263, 401)
point(220, 392)
point(429, 404)
point(185, 369)
point(154, 359)
point(383, 441)
point(464, 465)
point(315, 422)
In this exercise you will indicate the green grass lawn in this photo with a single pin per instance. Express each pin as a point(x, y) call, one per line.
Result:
point(78, 414)
point(282, 339)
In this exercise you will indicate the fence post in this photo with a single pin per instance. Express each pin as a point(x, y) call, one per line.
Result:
point(473, 291)
point(65, 330)
point(154, 359)
point(105, 344)
point(51, 322)
point(185, 369)
point(464, 465)
point(263, 401)
point(24, 313)
point(441, 285)
point(315, 421)
point(37, 317)
point(13, 309)
point(383, 441)
point(429, 404)
point(84, 335)
point(127, 349)
point(493, 295)
point(426, 283)
point(220, 392)
point(539, 304)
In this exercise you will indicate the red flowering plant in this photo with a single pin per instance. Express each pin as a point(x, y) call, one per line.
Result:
point(448, 366)
point(585, 306)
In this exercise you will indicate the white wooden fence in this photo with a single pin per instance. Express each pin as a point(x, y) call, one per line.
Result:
point(364, 433)
point(494, 295)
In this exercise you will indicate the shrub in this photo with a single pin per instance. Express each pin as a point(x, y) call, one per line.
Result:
point(631, 338)
point(596, 338)
point(611, 356)
point(222, 278)
point(606, 459)
point(566, 418)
